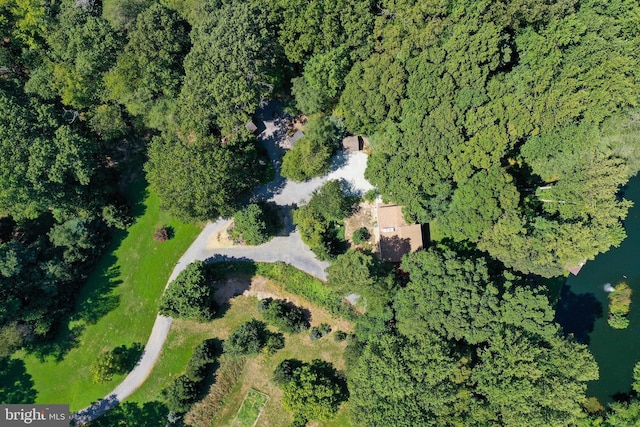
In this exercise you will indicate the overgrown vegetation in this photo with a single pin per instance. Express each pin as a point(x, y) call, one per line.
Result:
point(250, 338)
point(226, 376)
point(619, 306)
point(283, 315)
point(299, 283)
point(255, 224)
point(321, 220)
point(117, 361)
point(320, 331)
point(310, 156)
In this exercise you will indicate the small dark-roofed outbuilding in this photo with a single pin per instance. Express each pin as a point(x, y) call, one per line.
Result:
point(251, 127)
point(352, 143)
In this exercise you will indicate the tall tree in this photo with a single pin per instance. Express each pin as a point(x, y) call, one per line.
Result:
point(48, 166)
point(233, 66)
point(83, 47)
point(149, 73)
point(473, 347)
point(199, 180)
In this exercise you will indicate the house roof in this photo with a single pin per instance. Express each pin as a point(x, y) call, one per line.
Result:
point(396, 236)
point(352, 143)
point(295, 137)
point(574, 268)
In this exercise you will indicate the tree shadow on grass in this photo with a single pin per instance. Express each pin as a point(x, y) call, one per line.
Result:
point(130, 356)
point(577, 313)
point(232, 277)
point(96, 299)
point(16, 385)
point(210, 369)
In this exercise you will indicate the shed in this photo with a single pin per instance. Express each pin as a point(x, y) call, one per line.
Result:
point(352, 143)
point(397, 237)
point(251, 127)
point(290, 141)
point(574, 268)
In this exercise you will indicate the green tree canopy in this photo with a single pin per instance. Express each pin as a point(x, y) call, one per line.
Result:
point(46, 166)
point(318, 220)
point(494, 98)
point(150, 69)
point(83, 48)
point(234, 64)
point(190, 295)
point(461, 300)
point(470, 345)
point(314, 391)
point(316, 27)
point(311, 155)
point(201, 179)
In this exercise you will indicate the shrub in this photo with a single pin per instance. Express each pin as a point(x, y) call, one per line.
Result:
point(275, 342)
point(285, 316)
point(284, 371)
point(247, 339)
point(189, 296)
point(161, 234)
point(619, 306)
point(361, 235)
point(180, 394)
point(340, 336)
point(203, 355)
point(319, 331)
point(117, 361)
point(617, 321)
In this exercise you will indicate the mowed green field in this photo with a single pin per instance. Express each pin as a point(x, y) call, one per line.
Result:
point(117, 306)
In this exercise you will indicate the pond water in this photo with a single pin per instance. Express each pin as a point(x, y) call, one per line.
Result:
point(582, 308)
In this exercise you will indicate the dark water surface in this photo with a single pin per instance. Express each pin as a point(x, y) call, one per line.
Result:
point(582, 309)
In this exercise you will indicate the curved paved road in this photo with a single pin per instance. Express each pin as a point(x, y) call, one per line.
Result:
point(289, 249)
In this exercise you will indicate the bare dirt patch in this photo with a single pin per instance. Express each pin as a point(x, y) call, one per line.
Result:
point(261, 287)
point(221, 238)
point(364, 217)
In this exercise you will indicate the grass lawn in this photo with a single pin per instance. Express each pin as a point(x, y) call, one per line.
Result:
point(116, 306)
point(250, 409)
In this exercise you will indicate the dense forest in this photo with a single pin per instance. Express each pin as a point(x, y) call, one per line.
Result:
point(509, 126)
